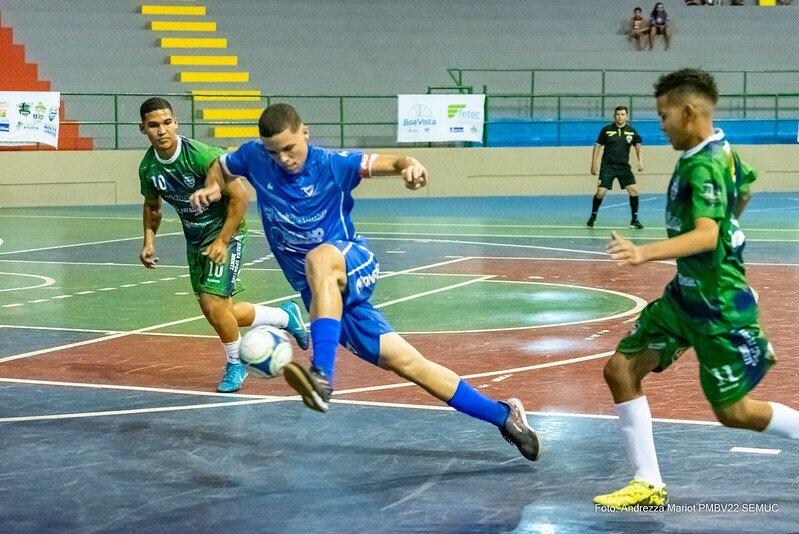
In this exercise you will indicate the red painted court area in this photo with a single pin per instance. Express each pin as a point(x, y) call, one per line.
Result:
point(556, 368)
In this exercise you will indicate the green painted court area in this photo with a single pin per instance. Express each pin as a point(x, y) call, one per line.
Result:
point(129, 297)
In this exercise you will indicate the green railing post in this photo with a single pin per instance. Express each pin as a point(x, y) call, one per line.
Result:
point(745, 89)
point(341, 120)
point(602, 101)
point(559, 120)
point(116, 121)
point(193, 116)
point(776, 117)
point(485, 116)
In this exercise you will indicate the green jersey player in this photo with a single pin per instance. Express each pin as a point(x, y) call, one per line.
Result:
point(708, 305)
point(172, 169)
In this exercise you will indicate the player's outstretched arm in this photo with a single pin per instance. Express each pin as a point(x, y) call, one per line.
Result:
point(212, 192)
point(702, 238)
point(151, 220)
point(236, 208)
point(413, 172)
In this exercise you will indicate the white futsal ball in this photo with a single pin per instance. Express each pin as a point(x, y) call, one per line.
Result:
point(266, 350)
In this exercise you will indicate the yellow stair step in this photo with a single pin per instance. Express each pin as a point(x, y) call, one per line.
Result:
point(226, 95)
point(172, 10)
point(193, 42)
point(214, 77)
point(240, 114)
point(203, 60)
point(173, 26)
point(235, 131)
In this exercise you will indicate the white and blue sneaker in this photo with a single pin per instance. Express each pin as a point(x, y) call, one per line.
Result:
point(233, 378)
point(296, 326)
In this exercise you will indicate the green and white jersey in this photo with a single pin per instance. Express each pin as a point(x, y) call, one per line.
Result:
point(711, 287)
point(177, 178)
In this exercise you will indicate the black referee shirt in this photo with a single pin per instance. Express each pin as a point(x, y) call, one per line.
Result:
point(617, 142)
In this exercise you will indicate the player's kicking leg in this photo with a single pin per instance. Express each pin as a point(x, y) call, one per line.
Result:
point(399, 356)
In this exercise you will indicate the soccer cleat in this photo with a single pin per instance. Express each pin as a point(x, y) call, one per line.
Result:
point(591, 221)
point(295, 327)
point(517, 431)
point(635, 223)
point(637, 493)
point(314, 388)
point(233, 378)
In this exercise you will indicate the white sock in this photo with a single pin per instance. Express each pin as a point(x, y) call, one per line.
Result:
point(636, 428)
point(266, 315)
point(232, 350)
point(784, 421)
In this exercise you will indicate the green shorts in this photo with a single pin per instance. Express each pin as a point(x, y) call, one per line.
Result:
point(220, 280)
point(607, 174)
point(731, 363)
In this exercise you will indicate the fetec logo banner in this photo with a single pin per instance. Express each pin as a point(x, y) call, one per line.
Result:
point(431, 118)
point(29, 118)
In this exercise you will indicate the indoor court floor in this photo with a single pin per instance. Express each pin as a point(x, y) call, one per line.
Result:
point(109, 420)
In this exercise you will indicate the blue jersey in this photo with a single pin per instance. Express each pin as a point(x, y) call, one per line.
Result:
point(301, 211)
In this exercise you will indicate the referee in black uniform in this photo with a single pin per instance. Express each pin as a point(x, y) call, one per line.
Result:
point(614, 143)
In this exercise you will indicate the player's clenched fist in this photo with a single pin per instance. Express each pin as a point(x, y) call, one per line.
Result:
point(415, 174)
point(202, 198)
point(147, 257)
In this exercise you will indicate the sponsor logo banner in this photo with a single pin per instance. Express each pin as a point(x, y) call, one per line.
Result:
point(27, 118)
point(431, 118)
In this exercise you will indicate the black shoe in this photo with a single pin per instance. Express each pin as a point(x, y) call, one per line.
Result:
point(314, 388)
point(591, 221)
point(635, 223)
point(518, 432)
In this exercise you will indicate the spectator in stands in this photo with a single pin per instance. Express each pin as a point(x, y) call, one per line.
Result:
point(659, 25)
point(639, 29)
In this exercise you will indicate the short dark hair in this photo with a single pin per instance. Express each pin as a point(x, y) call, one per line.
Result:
point(619, 108)
point(688, 80)
point(277, 118)
point(152, 104)
point(637, 9)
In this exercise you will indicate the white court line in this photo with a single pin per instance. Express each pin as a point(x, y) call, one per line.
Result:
point(539, 226)
point(433, 291)
point(264, 398)
point(641, 201)
point(547, 236)
point(640, 304)
point(26, 327)
point(123, 334)
point(752, 450)
point(195, 318)
point(486, 243)
point(80, 415)
point(442, 408)
point(84, 244)
point(47, 281)
point(27, 216)
point(481, 375)
point(529, 258)
point(146, 389)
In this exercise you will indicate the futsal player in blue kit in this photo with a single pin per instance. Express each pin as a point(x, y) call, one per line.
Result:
point(305, 200)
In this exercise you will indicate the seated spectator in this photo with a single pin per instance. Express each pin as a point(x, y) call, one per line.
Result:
point(659, 25)
point(639, 29)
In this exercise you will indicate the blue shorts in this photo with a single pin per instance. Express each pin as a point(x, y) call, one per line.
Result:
point(361, 324)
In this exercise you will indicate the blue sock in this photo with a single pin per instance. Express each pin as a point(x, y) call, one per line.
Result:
point(471, 402)
point(325, 335)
